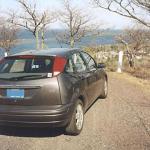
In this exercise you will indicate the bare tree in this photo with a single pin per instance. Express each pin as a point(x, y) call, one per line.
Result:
point(127, 8)
point(137, 43)
point(32, 20)
point(7, 38)
point(8, 35)
point(77, 24)
point(145, 4)
point(49, 17)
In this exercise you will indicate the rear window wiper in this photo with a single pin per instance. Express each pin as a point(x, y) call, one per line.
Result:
point(28, 76)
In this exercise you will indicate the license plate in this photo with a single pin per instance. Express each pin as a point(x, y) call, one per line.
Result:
point(15, 93)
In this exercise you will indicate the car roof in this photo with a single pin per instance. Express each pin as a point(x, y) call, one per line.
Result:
point(64, 52)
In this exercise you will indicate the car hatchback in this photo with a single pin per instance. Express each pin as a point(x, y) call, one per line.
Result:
point(49, 88)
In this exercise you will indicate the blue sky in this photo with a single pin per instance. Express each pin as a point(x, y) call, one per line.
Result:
point(109, 20)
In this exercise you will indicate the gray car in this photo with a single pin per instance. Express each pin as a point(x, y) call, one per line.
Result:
point(50, 88)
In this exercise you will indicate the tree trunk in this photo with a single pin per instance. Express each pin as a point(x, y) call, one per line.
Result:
point(43, 39)
point(130, 56)
point(37, 38)
point(131, 60)
point(72, 42)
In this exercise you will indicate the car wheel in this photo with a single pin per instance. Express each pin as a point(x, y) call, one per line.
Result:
point(76, 124)
point(105, 89)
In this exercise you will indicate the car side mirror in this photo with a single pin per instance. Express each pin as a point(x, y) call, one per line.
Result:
point(101, 65)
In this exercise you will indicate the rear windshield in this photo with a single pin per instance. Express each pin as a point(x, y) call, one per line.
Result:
point(22, 64)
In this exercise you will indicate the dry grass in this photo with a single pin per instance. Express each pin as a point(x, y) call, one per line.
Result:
point(141, 69)
point(144, 84)
point(143, 73)
point(142, 65)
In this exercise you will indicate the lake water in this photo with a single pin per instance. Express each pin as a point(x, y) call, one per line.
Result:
point(51, 41)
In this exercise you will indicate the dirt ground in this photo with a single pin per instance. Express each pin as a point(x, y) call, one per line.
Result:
point(120, 122)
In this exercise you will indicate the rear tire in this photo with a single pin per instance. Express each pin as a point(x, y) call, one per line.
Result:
point(104, 90)
point(76, 124)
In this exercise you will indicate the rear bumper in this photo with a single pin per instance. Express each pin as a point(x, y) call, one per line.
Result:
point(36, 116)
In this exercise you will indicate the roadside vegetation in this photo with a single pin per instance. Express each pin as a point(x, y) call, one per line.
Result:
point(108, 54)
point(136, 41)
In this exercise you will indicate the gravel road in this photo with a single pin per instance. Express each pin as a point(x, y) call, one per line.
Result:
point(120, 122)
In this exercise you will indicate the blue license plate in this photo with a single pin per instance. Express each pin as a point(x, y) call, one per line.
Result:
point(15, 93)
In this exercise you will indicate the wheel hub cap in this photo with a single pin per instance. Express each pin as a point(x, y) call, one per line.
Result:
point(79, 117)
point(105, 87)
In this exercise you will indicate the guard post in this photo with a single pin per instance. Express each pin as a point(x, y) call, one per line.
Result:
point(120, 61)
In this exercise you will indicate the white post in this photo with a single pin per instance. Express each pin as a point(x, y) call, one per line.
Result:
point(5, 54)
point(120, 60)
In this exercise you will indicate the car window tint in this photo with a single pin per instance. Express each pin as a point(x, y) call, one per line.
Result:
point(38, 64)
point(78, 62)
point(89, 61)
point(4, 67)
point(18, 66)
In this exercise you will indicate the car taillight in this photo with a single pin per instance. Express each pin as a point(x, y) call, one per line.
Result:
point(59, 64)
